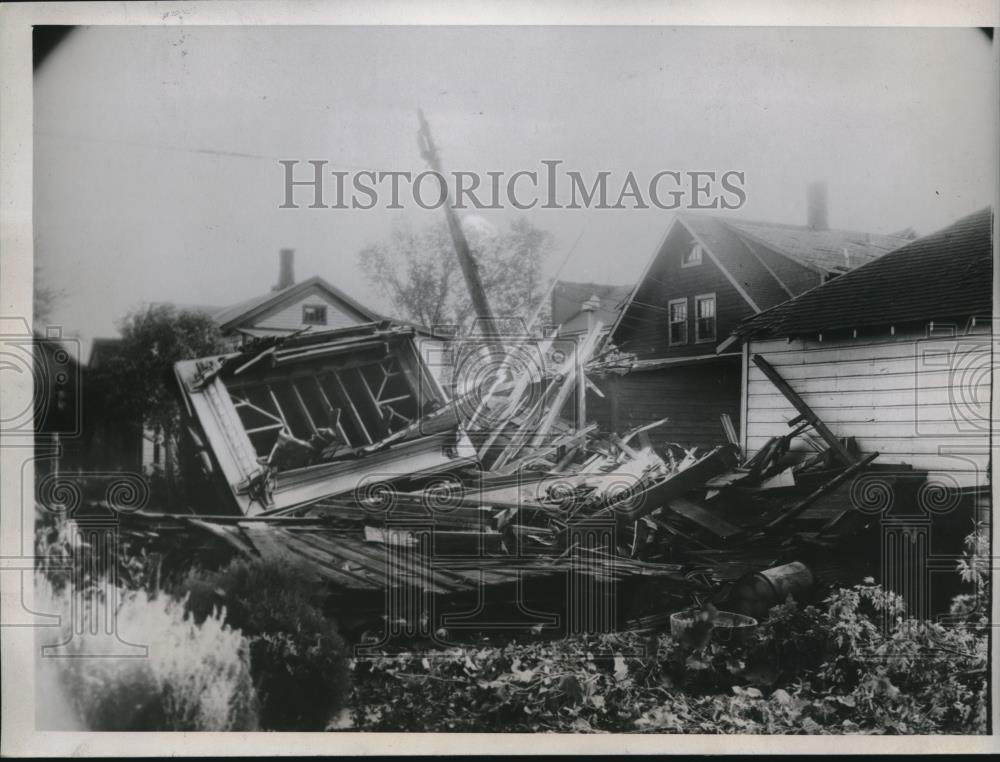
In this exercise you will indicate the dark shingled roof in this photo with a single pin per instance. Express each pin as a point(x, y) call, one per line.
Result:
point(823, 250)
point(739, 261)
point(945, 275)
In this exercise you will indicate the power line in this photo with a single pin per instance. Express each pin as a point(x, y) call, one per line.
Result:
point(186, 149)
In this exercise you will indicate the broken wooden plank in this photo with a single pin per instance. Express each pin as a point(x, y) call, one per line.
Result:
point(703, 518)
point(540, 452)
point(729, 429)
point(351, 409)
point(727, 479)
point(228, 533)
point(674, 485)
point(303, 408)
point(805, 502)
point(805, 412)
point(582, 356)
point(784, 478)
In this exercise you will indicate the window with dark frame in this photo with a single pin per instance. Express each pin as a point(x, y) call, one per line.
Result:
point(314, 314)
point(704, 307)
point(692, 256)
point(678, 311)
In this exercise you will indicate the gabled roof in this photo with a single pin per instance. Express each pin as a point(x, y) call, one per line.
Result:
point(733, 245)
point(820, 250)
point(741, 266)
point(230, 317)
point(945, 275)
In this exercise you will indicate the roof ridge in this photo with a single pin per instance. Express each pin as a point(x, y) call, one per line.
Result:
point(262, 301)
point(806, 228)
point(927, 248)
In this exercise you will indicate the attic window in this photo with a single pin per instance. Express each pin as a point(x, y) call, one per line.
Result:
point(314, 314)
point(692, 256)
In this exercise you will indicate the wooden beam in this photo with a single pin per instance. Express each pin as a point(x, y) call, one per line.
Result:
point(371, 395)
point(586, 349)
point(809, 499)
point(805, 411)
point(329, 411)
point(677, 484)
point(355, 415)
point(703, 518)
point(302, 406)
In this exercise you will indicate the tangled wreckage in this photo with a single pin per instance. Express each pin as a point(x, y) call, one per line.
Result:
point(442, 484)
point(495, 504)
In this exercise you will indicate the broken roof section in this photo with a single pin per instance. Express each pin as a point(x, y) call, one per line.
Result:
point(946, 275)
point(288, 420)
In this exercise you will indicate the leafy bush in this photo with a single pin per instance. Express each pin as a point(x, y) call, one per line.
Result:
point(196, 676)
point(855, 665)
point(297, 658)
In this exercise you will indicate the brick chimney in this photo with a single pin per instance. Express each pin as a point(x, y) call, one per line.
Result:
point(816, 205)
point(286, 269)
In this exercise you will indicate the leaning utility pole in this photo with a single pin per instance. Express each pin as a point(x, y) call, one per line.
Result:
point(465, 259)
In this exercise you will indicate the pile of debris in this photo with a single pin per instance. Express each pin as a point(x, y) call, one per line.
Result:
point(343, 450)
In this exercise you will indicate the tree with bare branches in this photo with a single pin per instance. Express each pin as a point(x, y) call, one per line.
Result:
point(417, 270)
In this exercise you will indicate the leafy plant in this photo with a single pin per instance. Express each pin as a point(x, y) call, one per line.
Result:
point(856, 664)
point(297, 658)
point(194, 676)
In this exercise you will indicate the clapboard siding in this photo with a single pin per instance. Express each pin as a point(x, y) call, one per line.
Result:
point(288, 317)
point(692, 397)
point(921, 401)
point(925, 381)
point(644, 327)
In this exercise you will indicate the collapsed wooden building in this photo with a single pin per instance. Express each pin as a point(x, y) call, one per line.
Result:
point(487, 496)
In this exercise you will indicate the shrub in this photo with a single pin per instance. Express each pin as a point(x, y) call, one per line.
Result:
point(856, 664)
point(297, 658)
point(196, 676)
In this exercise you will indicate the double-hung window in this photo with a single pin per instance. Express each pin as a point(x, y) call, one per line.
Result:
point(678, 311)
point(704, 317)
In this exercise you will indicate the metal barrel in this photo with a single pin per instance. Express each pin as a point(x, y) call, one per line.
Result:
point(755, 594)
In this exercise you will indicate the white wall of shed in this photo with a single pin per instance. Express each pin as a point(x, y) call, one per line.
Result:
point(916, 399)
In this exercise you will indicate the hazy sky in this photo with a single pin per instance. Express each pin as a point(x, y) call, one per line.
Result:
point(156, 148)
